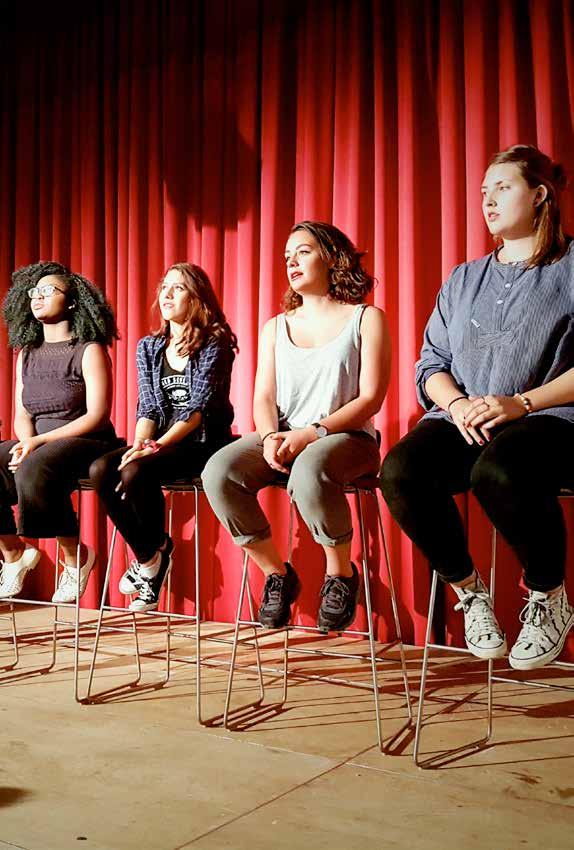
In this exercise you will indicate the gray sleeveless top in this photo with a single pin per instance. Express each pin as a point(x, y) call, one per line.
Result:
point(53, 387)
point(315, 382)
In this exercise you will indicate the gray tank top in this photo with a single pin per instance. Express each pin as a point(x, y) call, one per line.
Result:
point(53, 387)
point(315, 382)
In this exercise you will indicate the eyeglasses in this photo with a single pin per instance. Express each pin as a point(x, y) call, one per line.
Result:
point(44, 291)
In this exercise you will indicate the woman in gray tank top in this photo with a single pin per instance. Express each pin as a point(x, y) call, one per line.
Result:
point(322, 374)
point(62, 324)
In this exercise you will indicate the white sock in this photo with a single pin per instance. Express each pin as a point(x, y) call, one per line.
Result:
point(151, 569)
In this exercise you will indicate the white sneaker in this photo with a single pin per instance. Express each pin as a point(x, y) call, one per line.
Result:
point(12, 575)
point(132, 580)
point(483, 636)
point(68, 583)
point(547, 620)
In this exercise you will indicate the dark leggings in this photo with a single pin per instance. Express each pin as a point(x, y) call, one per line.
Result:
point(42, 486)
point(516, 478)
point(140, 516)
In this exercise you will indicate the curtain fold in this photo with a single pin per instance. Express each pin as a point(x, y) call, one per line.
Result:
point(136, 134)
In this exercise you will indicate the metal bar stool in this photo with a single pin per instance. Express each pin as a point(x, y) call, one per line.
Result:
point(368, 486)
point(83, 486)
point(170, 489)
point(13, 634)
point(490, 677)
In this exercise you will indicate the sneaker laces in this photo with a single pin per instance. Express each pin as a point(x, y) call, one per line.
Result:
point(336, 589)
point(146, 593)
point(483, 614)
point(273, 587)
point(69, 576)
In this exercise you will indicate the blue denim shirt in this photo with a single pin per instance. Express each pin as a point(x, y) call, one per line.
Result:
point(501, 329)
point(208, 375)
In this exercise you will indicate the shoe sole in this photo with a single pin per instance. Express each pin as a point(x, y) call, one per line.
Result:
point(536, 663)
point(488, 654)
point(269, 624)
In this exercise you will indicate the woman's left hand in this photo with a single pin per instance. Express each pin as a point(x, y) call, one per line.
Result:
point(21, 451)
point(294, 442)
point(489, 411)
point(134, 454)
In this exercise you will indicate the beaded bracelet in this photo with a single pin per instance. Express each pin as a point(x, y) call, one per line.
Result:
point(525, 401)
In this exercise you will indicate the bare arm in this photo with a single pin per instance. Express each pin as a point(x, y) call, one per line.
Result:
point(265, 394)
point(23, 424)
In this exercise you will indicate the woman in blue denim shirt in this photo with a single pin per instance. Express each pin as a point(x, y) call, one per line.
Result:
point(496, 375)
point(184, 415)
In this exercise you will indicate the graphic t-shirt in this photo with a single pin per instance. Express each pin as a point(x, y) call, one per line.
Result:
point(175, 389)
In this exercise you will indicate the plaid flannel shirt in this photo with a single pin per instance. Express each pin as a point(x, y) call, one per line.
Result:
point(208, 375)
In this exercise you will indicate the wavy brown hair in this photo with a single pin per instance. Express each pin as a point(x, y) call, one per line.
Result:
point(539, 170)
point(205, 320)
point(349, 282)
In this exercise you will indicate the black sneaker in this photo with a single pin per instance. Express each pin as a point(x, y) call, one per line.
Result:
point(278, 594)
point(150, 588)
point(338, 602)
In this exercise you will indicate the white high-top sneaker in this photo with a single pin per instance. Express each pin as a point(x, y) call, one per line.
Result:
point(483, 636)
point(547, 619)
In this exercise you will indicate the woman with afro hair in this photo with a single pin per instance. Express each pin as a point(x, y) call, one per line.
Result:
point(62, 325)
point(322, 374)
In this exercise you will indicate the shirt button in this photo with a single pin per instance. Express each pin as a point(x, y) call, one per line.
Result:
point(507, 286)
point(499, 301)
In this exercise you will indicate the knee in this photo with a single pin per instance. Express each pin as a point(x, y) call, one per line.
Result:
point(214, 475)
point(399, 471)
point(306, 482)
point(491, 479)
point(32, 480)
point(102, 471)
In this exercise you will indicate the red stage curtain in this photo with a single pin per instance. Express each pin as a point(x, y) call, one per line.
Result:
point(135, 134)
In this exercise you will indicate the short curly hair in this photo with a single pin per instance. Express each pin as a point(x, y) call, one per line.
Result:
point(92, 319)
point(349, 282)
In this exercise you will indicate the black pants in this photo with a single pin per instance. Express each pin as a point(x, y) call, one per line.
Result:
point(140, 516)
point(516, 478)
point(42, 486)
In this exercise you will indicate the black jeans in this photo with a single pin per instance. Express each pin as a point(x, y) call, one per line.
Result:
point(140, 516)
point(42, 486)
point(516, 478)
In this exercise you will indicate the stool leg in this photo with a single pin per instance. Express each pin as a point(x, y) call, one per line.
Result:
point(197, 613)
point(236, 637)
point(101, 612)
point(168, 598)
point(372, 648)
point(12, 617)
point(394, 608)
point(77, 605)
point(424, 670)
point(255, 641)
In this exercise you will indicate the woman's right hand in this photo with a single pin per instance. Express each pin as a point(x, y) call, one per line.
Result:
point(457, 411)
point(127, 455)
point(271, 444)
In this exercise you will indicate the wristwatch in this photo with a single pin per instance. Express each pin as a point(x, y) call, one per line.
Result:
point(320, 430)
